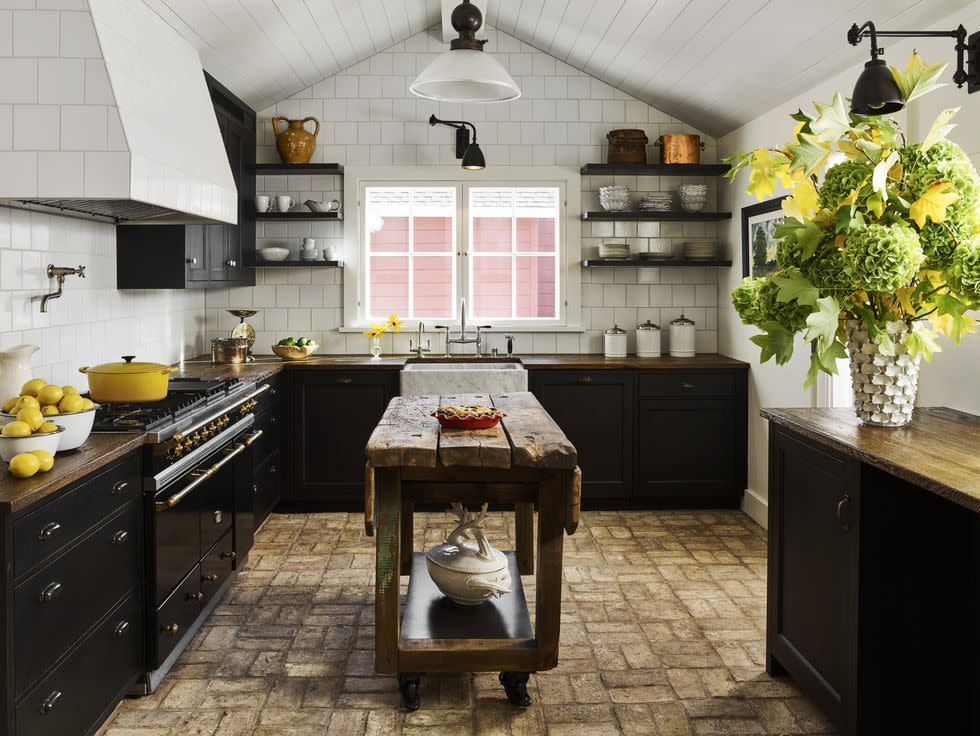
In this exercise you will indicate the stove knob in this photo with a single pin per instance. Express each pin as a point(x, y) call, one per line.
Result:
point(188, 446)
point(178, 450)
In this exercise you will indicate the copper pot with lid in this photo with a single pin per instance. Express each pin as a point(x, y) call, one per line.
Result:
point(680, 148)
point(231, 350)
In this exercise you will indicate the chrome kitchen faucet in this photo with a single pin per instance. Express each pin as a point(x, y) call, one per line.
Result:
point(463, 338)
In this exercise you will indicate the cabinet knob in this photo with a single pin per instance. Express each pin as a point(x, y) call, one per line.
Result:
point(345, 380)
point(688, 386)
point(121, 628)
point(218, 516)
point(50, 702)
point(231, 264)
point(212, 578)
point(192, 261)
point(49, 530)
point(199, 596)
point(584, 379)
point(228, 556)
point(50, 592)
point(171, 629)
point(120, 537)
point(273, 470)
point(841, 507)
point(119, 486)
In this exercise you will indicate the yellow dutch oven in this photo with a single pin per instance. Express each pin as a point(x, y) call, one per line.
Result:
point(128, 382)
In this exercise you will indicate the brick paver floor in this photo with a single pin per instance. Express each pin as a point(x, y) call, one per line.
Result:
point(662, 634)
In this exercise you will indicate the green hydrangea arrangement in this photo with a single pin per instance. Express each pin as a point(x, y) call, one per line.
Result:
point(889, 233)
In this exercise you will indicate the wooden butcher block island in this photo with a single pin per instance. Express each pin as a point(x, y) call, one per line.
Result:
point(526, 461)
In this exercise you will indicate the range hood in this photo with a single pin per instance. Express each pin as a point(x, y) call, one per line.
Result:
point(112, 120)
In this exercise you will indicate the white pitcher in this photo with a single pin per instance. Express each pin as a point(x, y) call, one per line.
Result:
point(15, 369)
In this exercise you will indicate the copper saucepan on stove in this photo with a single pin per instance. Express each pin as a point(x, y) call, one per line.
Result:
point(128, 382)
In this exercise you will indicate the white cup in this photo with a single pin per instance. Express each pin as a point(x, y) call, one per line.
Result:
point(262, 203)
point(284, 203)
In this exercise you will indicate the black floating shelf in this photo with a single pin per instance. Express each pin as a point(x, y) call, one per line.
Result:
point(657, 216)
point(656, 169)
point(653, 263)
point(295, 264)
point(298, 216)
point(280, 169)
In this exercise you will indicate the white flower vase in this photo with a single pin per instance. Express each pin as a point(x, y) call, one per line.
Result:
point(376, 348)
point(884, 385)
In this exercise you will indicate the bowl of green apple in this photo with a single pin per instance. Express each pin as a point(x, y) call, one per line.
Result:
point(295, 348)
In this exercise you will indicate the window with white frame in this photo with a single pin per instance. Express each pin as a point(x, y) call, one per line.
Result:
point(426, 245)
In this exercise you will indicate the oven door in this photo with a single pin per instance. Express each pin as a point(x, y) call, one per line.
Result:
point(190, 514)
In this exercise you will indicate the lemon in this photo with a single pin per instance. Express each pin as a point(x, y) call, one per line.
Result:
point(16, 429)
point(47, 427)
point(9, 404)
point(31, 416)
point(49, 410)
point(24, 465)
point(50, 394)
point(70, 403)
point(25, 402)
point(46, 458)
point(69, 389)
point(87, 404)
point(32, 387)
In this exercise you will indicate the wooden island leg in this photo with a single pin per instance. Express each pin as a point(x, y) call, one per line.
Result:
point(524, 537)
point(408, 535)
point(552, 500)
point(387, 483)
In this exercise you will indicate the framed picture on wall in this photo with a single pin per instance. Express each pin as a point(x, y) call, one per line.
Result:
point(759, 223)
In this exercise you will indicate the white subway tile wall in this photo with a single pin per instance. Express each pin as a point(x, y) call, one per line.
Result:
point(92, 322)
point(369, 117)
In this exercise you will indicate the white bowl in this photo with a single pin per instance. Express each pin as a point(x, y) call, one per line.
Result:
point(77, 424)
point(10, 446)
point(274, 254)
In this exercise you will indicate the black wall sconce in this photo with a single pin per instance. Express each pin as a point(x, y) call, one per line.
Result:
point(470, 152)
point(876, 92)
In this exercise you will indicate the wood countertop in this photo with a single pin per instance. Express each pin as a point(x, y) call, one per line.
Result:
point(16, 494)
point(938, 451)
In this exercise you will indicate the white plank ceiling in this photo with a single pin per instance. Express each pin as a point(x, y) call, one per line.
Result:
point(715, 64)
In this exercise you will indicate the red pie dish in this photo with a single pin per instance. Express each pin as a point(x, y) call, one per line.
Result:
point(485, 419)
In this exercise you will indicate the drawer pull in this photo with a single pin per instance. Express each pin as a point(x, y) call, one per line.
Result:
point(228, 556)
point(49, 530)
point(218, 516)
point(345, 380)
point(119, 486)
point(273, 470)
point(199, 596)
point(121, 628)
point(688, 386)
point(120, 537)
point(212, 578)
point(273, 420)
point(583, 379)
point(50, 592)
point(171, 629)
point(841, 506)
point(50, 702)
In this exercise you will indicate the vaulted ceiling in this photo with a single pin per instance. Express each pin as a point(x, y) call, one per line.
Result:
point(715, 64)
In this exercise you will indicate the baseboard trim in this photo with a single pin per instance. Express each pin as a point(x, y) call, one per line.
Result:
point(756, 507)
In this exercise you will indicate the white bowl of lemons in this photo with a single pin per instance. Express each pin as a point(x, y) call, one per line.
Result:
point(60, 405)
point(44, 439)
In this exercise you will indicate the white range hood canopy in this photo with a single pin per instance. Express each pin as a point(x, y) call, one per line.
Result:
point(135, 140)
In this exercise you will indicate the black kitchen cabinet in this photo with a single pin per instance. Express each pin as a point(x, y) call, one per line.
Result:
point(257, 472)
point(692, 438)
point(595, 411)
point(200, 255)
point(332, 414)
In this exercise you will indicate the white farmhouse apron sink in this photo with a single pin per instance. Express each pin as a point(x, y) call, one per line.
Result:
point(473, 377)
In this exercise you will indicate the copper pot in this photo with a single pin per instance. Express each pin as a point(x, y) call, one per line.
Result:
point(627, 146)
point(680, 148)
point(295, 143)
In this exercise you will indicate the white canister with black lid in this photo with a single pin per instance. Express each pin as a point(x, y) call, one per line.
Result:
point(647, 340)
point(614, 342)
point(682, 332)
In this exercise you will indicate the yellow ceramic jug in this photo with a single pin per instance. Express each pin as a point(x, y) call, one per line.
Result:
point(295, 143)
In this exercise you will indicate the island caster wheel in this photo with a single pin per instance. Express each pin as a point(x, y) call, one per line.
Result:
point(515, 685)
point(409, 686)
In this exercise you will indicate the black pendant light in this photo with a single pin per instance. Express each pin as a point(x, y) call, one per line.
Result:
point(471, 153)
point(876, 91)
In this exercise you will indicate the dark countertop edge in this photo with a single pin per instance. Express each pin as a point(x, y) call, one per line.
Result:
point(928, 483)
point(54, 482)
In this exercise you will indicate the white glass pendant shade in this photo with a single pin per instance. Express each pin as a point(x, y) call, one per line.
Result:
point(465, 75)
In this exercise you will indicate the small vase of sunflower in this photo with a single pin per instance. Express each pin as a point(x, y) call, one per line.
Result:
point(375, 331)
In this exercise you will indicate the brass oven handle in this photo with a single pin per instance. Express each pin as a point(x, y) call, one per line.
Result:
point(250, 438)
point(199, 479)
point(179, 436)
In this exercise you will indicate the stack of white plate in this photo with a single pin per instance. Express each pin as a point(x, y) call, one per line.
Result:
point(614, 198)
point(656, 202)
point(700, 249)
point(615, 251)
point(693, 196)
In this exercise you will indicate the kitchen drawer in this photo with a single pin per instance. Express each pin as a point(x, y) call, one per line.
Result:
point(43, 532)
point(680, 383)
point(75, 697)
point(176, 615)
point(216, 567)
point(60, 602)
point(267, 488)
point(268, 441)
